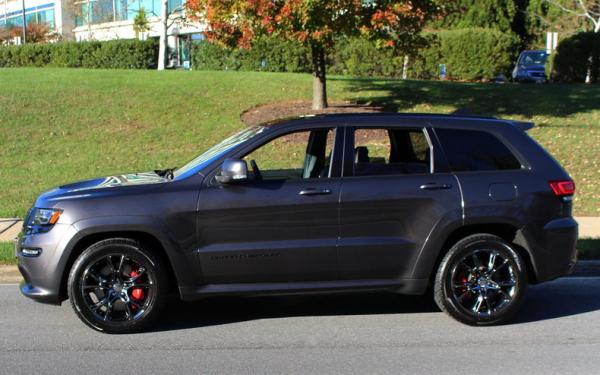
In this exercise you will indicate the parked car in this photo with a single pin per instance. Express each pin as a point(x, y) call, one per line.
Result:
point(471, 207)
point(530, 67)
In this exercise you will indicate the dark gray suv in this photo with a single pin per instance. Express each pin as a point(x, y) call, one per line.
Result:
point(468, 207)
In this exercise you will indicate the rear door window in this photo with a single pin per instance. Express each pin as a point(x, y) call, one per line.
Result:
point(390, 152)
point(474, 150)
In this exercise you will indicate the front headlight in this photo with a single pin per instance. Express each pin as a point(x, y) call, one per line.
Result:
point(42, 219)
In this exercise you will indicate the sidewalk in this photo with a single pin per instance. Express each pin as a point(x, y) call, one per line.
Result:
point(589, 227)
point(10, 228)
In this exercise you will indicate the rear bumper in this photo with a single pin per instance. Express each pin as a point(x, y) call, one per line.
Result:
point(552, 247)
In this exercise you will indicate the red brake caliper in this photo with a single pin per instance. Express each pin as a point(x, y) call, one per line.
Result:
point(136, 293)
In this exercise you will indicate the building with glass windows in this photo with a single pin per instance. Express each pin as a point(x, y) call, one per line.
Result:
point(114, 19)
point(105, 20)
point(50, 12)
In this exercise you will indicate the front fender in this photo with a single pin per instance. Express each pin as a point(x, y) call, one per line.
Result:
point(180, 258)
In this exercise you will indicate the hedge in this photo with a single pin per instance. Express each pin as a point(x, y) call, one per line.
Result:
point(121, 54)
point(267, 54)
point(574, 56)
point(469, 54)
point(361, 58)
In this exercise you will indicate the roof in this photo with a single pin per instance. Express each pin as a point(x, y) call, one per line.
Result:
point(340, 118)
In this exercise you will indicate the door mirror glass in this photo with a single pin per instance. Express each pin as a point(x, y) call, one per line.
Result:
point(232, 171)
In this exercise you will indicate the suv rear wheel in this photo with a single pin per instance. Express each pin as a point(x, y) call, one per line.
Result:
point(117, 286)
point(481, 281)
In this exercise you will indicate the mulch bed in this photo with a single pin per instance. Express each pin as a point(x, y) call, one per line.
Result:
point(281, 110)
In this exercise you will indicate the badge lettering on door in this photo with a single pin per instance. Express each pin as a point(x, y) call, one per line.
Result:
point(244, 256)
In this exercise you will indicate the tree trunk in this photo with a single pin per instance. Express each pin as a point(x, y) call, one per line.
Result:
point(319, 101)
point(162, 46)
point(405, 67)
point(588, 76)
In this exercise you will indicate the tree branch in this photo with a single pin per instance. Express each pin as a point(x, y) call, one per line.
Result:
point(565, 9)
point(587, 13)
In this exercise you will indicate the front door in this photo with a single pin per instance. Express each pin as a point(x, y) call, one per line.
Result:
point(282, 224)
point(391, 201)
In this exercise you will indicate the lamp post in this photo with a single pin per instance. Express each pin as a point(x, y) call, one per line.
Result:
point(24, 21)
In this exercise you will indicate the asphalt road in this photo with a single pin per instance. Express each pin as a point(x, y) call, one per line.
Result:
point(558, 332)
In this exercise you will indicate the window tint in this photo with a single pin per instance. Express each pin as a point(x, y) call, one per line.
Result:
point(472, 150)
point(299, 155)
point(390, 152)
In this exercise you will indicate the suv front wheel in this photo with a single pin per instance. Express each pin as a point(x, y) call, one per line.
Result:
point(481, 280)
point(117, 286)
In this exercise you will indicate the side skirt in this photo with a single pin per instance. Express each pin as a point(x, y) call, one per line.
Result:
point(401, 286)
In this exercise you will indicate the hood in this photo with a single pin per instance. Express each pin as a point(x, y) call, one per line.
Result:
point(100, 187)
point(114, 181)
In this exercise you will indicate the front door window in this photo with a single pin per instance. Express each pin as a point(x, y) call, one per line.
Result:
point(294, 156)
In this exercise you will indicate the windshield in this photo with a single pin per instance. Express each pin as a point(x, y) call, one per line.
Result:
point(533, 58)
point(217, 151)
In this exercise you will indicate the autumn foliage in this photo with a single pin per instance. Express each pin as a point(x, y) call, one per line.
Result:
point(36, 33)
point(316, 23)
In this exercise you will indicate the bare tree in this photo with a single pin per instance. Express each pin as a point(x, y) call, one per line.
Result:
point(586, 9)
point(168, 17)
point(81, 9)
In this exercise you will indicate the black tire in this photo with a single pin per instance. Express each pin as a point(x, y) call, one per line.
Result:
point(97, 264)
point(464, 286)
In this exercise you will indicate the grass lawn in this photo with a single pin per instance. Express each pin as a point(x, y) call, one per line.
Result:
point(61, 125)
point(7, 253)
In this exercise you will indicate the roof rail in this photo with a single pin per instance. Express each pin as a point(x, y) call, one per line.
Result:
point(523, 125)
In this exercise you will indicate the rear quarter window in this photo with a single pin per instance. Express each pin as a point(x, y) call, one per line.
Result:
point(474, 150)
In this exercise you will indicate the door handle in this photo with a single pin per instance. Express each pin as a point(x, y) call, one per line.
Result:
point(312, 191)
point(433, 186)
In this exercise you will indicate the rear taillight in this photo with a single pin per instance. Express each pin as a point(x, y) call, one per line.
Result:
point(562, 188)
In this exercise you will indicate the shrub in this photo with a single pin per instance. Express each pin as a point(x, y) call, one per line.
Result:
point(276, 55)
point(360, 57)
point(210, 56)
point(267, 54)
point(574, 56)
point(469, 54)
point(122, 54)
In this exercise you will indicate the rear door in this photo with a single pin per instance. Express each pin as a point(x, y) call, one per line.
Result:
point(394, 193)
point(493, 179)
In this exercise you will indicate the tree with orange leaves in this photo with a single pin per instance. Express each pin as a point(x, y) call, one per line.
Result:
point(315, 23)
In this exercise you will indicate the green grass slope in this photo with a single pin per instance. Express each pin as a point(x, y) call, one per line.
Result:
point(61, 125)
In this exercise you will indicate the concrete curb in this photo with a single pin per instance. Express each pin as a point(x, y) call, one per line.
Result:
point(587, 268)
point(9, 275)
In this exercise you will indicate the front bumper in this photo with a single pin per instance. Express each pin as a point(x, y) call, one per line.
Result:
point(532, 77)
point(43, 274)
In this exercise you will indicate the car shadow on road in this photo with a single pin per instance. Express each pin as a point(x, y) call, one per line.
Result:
point(547, 301)
point(562, 298)
point(226, 310)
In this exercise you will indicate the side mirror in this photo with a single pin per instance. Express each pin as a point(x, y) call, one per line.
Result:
point(232, 170)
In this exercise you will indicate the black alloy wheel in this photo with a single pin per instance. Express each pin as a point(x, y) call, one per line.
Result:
point(117, 286)
point(481, 281)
